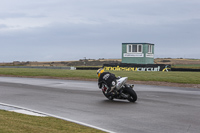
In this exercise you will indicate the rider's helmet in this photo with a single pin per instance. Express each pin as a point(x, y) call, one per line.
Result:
point(99, 71)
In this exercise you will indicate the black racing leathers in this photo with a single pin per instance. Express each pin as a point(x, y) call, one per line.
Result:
point(108, 79)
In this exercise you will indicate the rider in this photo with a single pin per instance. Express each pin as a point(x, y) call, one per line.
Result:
point(107, 81)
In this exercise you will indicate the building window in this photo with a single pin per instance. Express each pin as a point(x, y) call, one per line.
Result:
point(134, 48)
point(140, 48)
point(150, 47)
point(129, 48)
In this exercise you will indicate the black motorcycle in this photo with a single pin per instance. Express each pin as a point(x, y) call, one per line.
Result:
point(124, 90)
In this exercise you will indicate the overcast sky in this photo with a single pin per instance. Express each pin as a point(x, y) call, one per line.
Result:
point(62, 30)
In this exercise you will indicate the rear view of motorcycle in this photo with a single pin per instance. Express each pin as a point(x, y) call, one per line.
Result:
point(124, 91)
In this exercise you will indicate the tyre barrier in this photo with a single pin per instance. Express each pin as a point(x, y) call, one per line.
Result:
point(87, 68)
point(185, 69)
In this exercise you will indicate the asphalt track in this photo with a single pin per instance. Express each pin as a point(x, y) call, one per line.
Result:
point(158, 109)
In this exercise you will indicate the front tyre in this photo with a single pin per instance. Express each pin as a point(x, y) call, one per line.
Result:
point(110, 97)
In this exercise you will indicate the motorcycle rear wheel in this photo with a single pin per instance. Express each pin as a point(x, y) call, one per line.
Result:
point(132, 95)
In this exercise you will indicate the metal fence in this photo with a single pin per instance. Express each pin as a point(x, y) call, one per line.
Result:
point(40, 67)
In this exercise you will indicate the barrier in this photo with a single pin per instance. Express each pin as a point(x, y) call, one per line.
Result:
point(39, 67)
point(87, 68)
point(137, 67)
point(185, 69)
point(117, 67)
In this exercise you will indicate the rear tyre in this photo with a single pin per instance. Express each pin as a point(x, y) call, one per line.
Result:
point(132, 95)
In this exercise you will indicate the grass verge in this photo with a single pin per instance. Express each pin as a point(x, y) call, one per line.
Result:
point(11, 122)
point(172, 77)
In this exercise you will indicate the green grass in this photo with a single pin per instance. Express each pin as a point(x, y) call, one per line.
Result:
point(173, 77)
point(89, 74)
point(11, 122)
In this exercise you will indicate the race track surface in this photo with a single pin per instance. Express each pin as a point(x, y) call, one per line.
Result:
point(158, 109)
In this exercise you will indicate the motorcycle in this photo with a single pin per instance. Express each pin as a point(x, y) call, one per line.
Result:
point(124, 90)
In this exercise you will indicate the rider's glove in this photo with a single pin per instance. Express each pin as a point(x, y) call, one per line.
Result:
point(100, 85)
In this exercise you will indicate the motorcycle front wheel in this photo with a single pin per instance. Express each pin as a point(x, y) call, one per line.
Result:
point(109, 98)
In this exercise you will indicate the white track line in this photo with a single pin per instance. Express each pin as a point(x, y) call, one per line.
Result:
point(26, 110)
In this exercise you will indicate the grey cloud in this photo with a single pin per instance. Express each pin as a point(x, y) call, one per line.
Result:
point(19, 15)
point(97, 29)
point(2, 26)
